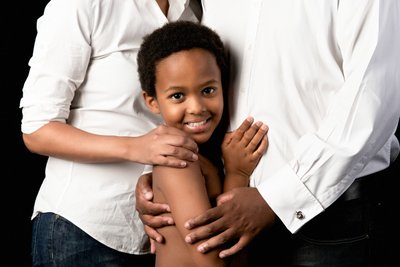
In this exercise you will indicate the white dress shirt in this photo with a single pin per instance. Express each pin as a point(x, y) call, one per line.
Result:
point(84, 72)
point(325, 76)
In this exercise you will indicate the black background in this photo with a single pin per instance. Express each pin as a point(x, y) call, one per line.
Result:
point(24, 171)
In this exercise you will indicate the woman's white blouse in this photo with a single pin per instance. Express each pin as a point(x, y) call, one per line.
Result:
point(83, 72)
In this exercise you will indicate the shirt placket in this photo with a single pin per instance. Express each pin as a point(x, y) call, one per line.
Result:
point(249, 48)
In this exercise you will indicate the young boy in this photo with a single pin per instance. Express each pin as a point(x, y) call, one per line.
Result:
point(183, 71)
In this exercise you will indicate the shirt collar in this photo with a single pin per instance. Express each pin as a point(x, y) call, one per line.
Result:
point(176, 8)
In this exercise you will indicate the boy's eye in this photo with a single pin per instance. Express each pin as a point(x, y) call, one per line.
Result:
point(176, 96)
point(208, 90)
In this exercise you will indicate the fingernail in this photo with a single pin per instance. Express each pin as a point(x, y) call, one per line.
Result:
point(195, 157)
point(202, 248)
point(188, 239)
point(183, 163)
point(148, 195)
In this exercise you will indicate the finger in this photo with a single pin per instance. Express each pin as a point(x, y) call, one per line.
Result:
point(225, 197)
point(144, 196)
point(239, 132)
point(216, 241)
point(263, 146)
point(152, 246)
point(143, 186)
point(174, 155)
point(151, 208)
point(208, 216)
point(156, 221)
point(153, 235)
point(207, 231)
point(168, 130)
point(170, 161)
point(181, 153)
point(254, 134)
point(243, 242)
point(258, 134)
point(181, 144)
point(178, 138)
point(190, 144)
point(227, 139)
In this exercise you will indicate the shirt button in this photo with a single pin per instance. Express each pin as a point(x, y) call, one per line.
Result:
point(299, 215)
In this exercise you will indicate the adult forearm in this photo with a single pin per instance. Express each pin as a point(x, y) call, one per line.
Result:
point(60, 140)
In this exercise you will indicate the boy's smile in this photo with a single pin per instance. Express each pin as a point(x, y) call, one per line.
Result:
point(189, 92)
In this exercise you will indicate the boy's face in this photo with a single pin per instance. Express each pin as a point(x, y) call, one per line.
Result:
point(189, 93)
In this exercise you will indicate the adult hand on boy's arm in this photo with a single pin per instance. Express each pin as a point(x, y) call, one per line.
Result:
point(149, 211)
point(241, 215)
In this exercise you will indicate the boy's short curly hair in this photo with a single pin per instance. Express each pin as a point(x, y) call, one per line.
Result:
point(174, 37)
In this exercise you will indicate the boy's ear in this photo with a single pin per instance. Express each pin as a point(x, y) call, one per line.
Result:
point(151, 102)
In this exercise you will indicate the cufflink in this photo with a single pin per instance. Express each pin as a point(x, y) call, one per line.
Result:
point(299, 215)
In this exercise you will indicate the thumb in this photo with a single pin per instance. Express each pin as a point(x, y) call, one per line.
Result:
point(144, 185)
point(148, 195)
point(223, 198)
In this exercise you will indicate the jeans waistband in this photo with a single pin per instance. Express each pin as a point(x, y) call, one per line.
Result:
point(366, 186)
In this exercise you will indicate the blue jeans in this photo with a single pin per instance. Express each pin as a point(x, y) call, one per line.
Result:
point(349, 233)
point(59, 243)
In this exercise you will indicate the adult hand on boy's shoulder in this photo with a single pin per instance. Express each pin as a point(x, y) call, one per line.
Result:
point(165, 145)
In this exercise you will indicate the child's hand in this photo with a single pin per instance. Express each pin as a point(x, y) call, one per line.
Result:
point(243, 148)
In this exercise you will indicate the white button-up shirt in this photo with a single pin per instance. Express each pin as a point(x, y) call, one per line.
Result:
point(325, 76)
point(84, 72)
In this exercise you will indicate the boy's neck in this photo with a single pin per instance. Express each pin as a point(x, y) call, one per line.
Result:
point(164, 6)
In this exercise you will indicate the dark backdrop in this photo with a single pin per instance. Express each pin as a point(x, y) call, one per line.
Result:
point(24, 171)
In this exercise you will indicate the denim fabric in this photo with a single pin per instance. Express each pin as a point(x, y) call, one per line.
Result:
point(58, 242)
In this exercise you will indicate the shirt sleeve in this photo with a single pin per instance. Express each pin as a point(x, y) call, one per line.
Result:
point(361, 120)
point(58, 65)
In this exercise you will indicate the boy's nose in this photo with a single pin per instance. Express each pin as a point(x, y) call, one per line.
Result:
point(196, 106)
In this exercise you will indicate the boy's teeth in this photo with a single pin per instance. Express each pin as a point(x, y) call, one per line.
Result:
point(195, 124)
